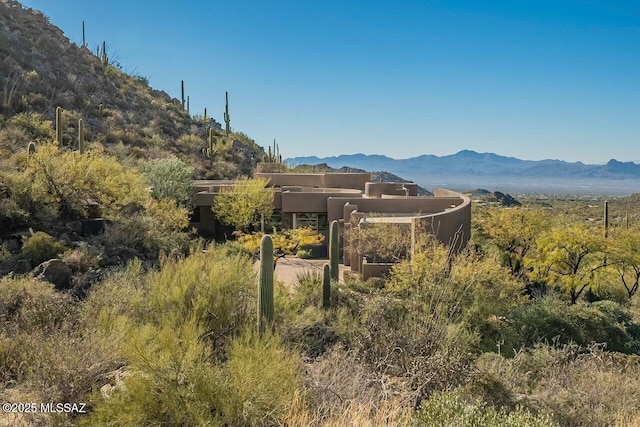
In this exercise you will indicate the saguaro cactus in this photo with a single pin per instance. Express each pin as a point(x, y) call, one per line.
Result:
point(606, 219)
point(227, 120)
point(265, 288)
point(100, 111)
point(59, 125)
point(210, 151)
point(334, 250)
point(182, 88)
point(81, 135)
point(84, 41)
point(205, 114)
point(326, 286)
point(104, 58)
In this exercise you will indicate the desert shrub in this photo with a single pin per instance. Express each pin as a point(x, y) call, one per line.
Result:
point(591, 388)
point(189, 143)
point(18, 206)
point(169, 178)
point(41, 247)
point(216, 290)
point(579, 386)
point(263, 379)
point(32, 123)
point(307, 290)
point(449, 408)
point(407, 338)
point(5, 253)
point(170, 381)
point(553, 321)
point(83, 258)
point(155, 228)
point(304, 254)
point(27, 304)
point(286, 241)
point(344, 391)
point(69, 182)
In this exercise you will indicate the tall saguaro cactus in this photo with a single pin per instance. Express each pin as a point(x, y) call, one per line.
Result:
point(606, 219)
point(182, 89)
point(227, 120)
point(84, 41)
point(104, 59)
point(265, 288)
point(59, 125)
point(81, 136)
point(334, 250)
point(326, 286)
point(210, 151)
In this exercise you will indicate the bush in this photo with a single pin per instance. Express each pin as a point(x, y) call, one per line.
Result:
point(170, 178)
point(448, 408)
point(263, 379)
point(578, 386)
point(169, 381)
point(305, 254)
point(215, 290)
point(550, 320)
point(41, 247)
point(68, 183)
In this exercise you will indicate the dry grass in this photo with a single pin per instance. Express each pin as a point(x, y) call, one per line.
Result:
point(345, 392)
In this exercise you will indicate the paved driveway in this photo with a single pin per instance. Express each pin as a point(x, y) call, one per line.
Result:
point(288, 268)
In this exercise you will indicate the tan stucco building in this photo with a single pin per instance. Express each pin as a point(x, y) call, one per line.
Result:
point(315, 199)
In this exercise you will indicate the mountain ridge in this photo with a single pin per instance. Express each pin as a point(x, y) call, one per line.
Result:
point(472, 163)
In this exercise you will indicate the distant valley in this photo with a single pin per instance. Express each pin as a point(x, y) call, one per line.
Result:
point(468, 169)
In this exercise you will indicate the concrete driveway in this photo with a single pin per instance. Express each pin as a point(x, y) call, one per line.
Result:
point(288, 268)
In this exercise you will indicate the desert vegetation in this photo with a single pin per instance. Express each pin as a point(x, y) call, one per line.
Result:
point(512, 331)
point(107, 298)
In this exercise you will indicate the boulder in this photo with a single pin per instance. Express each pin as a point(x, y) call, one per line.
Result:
point(54, 271)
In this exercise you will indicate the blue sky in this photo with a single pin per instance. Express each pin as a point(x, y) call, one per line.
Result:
point(544, 79)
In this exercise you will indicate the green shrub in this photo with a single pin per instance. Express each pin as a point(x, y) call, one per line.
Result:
point(41, 247)
point(448, 408)
point(214, 289)
point(553, 321)
point(170, 178)
point(305, 254)
point(169, 381)
point(68, 183)
point(264, 377)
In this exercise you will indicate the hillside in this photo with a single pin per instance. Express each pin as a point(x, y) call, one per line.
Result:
point(40, 69)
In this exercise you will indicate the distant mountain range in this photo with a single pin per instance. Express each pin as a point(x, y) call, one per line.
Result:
point(468, 163)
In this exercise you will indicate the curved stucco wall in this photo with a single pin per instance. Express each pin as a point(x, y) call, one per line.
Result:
point(453, 225)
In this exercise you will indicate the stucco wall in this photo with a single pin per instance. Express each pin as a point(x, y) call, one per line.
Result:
point(414, 205)
point(355, 181)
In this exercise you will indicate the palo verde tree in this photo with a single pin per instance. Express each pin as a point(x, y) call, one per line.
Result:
point(244, 203)
point(514, 231)
point(623, 257)
point(568, 257)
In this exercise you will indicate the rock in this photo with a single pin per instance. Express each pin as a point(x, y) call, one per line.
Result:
point(14, 266)
point(21, 266)
point(54, 271)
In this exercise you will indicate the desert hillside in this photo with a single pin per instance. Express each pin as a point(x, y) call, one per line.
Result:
point(41, 69)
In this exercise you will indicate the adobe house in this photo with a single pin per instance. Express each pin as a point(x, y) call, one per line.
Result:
point(315, 199)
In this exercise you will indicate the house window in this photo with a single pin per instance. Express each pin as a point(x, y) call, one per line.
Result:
point(315, 221)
